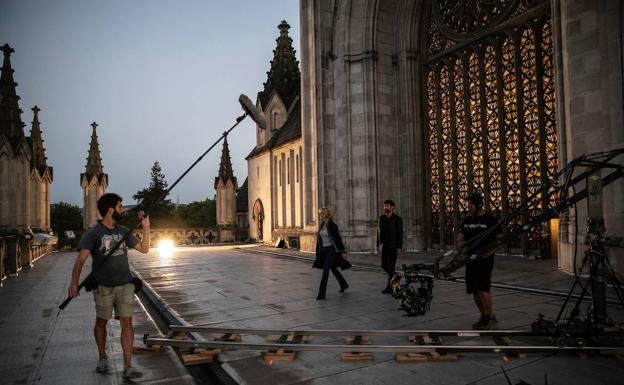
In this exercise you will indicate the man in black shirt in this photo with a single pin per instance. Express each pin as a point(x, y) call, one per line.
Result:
point(479, 269)
point(390, 240)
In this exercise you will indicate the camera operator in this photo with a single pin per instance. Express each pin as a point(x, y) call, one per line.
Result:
point(479, 269)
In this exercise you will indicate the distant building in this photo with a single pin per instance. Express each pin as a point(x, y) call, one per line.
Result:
point(25, 177)
point(93, 181)
point(242, 209)
point(230, 209)
point(275, 164)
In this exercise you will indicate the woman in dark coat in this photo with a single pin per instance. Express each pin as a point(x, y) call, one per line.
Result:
point(330, 253)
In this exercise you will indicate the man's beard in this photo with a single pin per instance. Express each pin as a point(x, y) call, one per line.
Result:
point(117, 217)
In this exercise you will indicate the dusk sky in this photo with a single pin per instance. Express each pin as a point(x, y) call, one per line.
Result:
point(160, 78)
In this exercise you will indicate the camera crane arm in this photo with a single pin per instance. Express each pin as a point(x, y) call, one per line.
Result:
point(592, 162)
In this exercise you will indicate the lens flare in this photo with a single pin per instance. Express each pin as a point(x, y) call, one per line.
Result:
point(165, 248)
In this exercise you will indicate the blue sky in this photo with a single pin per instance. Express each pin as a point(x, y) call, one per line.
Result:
point(161, 79)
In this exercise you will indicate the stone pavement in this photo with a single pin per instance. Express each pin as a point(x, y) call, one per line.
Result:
point(272, 288)
point(246, 287)
point(36, 347)
point(541, 274)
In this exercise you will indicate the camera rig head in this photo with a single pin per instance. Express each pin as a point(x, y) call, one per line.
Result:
point(414, 289)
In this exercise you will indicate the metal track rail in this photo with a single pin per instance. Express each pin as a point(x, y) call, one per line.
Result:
point(503, 342)
point(151, 341)
point(354, 333)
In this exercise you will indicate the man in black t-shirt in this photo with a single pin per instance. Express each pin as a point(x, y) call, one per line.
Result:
point(479, 269)
point(390, 240)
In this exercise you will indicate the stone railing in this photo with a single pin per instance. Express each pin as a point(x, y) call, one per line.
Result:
point(17, 251)
point(182, 236)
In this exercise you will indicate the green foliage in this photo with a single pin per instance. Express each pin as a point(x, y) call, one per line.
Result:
point(164, 214)
point(198, 214)
point(160, 212)
point(65, 216)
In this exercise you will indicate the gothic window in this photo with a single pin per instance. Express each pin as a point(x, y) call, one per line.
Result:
point(275, 122)
point(489, 109)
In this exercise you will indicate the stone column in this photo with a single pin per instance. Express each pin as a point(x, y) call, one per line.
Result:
point(588, 38)
point(311, 12)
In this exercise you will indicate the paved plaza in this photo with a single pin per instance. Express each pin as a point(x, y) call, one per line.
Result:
point(36, 347)
point(262, 287)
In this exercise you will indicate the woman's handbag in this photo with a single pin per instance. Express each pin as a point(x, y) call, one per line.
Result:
point(343, 263)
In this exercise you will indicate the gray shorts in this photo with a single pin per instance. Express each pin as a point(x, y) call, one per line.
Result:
point(120, 298)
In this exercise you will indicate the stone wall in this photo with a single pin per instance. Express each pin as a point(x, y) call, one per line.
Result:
point(226, 203)
point(259, 193)
point(91, 192)
point(588, 38)
point(365, 97)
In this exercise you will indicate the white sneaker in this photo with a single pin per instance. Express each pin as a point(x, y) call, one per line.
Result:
point(102, 366)
point(131, 372)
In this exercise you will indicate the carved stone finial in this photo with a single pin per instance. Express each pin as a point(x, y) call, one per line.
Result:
point(7, 50)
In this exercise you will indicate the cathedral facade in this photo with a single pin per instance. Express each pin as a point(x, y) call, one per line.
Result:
point(25, 176)
point(275, 165)
point(424, 102)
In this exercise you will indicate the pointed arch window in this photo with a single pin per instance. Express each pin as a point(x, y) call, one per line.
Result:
point(489, 112)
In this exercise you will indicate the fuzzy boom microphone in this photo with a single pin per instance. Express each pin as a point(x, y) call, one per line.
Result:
point(252, 111)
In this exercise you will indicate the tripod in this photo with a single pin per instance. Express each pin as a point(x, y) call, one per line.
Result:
point(600, 273)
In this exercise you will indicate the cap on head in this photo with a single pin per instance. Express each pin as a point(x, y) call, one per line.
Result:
point(476, 199)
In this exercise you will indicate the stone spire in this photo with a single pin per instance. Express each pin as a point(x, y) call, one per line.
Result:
point(93, 181)
point(284, 76)
point(11, 125)
point(225, 168)
point(38, 160)
point(94, 160)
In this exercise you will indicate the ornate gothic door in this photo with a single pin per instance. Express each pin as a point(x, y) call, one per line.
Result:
point(490, 113)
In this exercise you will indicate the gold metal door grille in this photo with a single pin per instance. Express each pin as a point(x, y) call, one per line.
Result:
point(491, 124)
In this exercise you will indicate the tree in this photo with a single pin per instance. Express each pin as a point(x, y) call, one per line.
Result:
point(160, 212)
point(198, 214)
point(65, 216)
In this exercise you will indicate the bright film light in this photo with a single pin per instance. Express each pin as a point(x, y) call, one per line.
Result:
point(165, 248)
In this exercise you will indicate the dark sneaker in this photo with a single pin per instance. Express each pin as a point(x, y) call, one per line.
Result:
point(130, 373)
point(488, 324)
point(479, 324)
point(491, 324)
point(342, 289)
point(102, 366)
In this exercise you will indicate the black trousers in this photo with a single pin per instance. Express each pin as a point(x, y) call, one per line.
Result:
point(330, 264)
point(388, 260)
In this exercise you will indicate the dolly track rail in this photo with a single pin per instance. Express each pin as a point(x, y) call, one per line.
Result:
point(354, 333)
point(463, 345)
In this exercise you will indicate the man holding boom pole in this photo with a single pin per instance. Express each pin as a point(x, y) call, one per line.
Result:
point(114, 289)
